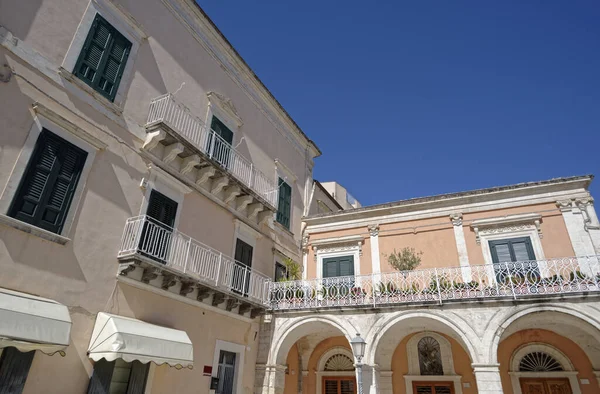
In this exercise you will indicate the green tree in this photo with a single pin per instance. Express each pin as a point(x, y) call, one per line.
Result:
point(407, 259)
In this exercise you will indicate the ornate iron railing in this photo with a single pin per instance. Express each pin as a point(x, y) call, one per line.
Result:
point(163, 245)
point(165, 109)
point(438, 285)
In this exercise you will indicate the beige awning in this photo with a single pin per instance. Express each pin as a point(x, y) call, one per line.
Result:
point(130, 339)
point(29, 322)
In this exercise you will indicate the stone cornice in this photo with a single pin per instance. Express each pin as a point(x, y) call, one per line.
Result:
point(442, 205)
point(207, 34)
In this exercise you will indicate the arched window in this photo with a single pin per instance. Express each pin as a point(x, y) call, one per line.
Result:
point(430, 357)
point(339, 362)
point(539, 362)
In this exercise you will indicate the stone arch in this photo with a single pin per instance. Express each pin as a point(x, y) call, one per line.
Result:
point(445, 348)
point(296, 329)
point(522, 351)
point(563, 320)
point(417, 321)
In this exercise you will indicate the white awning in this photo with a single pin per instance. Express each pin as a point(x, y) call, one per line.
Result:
point(130, 339)
point(29, 323)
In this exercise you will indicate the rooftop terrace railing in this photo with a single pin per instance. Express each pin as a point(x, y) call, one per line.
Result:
point(510, 280)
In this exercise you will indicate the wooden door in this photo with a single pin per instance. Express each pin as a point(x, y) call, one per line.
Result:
point(433, 388)
point(546, 386)
point(339, 385)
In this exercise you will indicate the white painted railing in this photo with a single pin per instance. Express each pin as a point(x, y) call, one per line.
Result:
point(505, 280)
point(165, 109)
point(164, 245)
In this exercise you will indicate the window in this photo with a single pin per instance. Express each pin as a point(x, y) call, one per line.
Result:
point(118, 377)
point(219, 146)
point(430, 356)
point(285, 204)
point(226, 372)
point(49, 182)
point(539, 362)
point(155, 240)
point(433, 388)
point(280, 272)
point(339, 362)
point(338, 266)
point(14, 368)
point(241, 269)
point(103, 58)
point(519, 252)
point(334, 385)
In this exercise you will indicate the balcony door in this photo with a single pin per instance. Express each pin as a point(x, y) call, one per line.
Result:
point(518, 251)
point(545, 386)
point(219, 147)
point(155, 241)
point(335, 288)
point(241, 268)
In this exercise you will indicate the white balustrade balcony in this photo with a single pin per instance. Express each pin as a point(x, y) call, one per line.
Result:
point(514, 280)
point(166, 249)
point(166, 110)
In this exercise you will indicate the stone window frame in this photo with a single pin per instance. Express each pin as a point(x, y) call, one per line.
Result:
point(414, 370)
point(569, 371)
point(49, 120)
point(239, 350)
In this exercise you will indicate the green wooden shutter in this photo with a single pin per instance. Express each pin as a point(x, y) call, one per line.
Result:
point(101, 377)
point(46, 191)
point(14, 368)
point(346, 264)
point(103, 58)
point(162, 208)
point(138, 378)
point(285, 204)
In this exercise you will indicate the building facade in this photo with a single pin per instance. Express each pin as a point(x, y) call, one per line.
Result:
point(504, 298)
point(150, 186)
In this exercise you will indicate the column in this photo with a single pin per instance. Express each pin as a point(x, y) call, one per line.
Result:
point(487, 377)
point(270, 379)
point(370, 375)
point(375, 262)
point(461, 246)
point(590, 219)
point(304, 257)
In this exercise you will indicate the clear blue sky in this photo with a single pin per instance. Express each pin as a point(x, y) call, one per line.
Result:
point(414, 98)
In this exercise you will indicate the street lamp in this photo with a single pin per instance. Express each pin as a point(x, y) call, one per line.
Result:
point(358, 348)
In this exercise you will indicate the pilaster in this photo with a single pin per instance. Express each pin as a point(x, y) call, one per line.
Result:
point(375, 262)
point(461, 245)
point(487, 377)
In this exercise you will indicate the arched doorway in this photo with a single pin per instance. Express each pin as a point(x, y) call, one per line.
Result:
point(539, 368)
point(335, 372)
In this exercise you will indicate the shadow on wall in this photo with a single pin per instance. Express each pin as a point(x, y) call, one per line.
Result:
point(26, 11)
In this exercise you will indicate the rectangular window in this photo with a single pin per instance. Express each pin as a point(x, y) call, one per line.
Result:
point(338, 266)
point(118, 377)
point(519, 253)
point(280, 272)
point(335, 385)
point(226, 372)
point(219, 144)
point(285, 204)
point(241, 268)
point(49, 182)
point(103, 58)
point(155, 241)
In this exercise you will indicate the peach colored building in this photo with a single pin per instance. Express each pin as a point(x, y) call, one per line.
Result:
point(504, 298)
point(150, 186)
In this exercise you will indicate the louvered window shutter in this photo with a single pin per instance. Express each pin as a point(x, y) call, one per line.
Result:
point(103, 58)
point(346, 266)
point(162, 208)
point(101, 377)
point(14, 367)
point(285, 203)
point(49, 182)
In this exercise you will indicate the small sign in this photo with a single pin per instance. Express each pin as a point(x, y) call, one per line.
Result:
point(207, 370)
point(214, 383)
point(584, 381)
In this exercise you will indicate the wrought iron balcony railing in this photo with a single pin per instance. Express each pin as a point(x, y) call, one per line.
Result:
point(165, 109)
point(164, 246)
point(438, 285)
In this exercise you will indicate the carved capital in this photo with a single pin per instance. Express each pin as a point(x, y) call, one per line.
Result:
point(456, 218)
point(374, 230)
point(304, 244)
point(564, 205)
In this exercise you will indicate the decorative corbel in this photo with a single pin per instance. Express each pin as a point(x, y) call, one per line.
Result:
point(538, 227)
point(564, 205)
point(456, 218)
point(373, 230)
point(172, 151)
point(477, 237)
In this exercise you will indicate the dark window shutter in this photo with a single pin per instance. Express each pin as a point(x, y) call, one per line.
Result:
point(49, 182)
point(138, 377)
point(280, 272)
point(162, 208)
point(346, 266)
point(331, 268)
point(103, 58)
point(243, 253)
point(101, 376)
point(285, 203)
point(14, 367)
